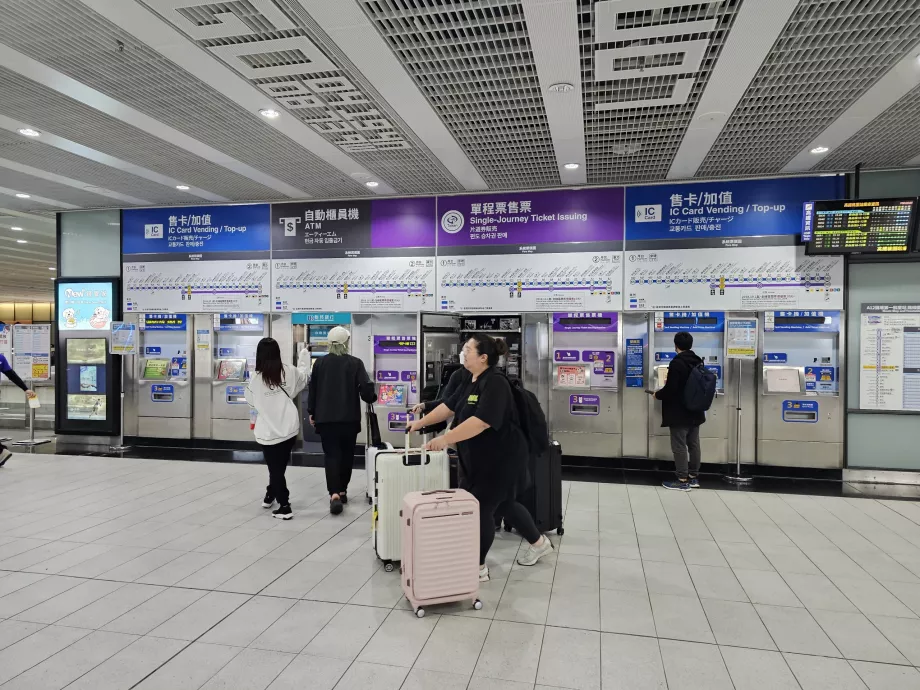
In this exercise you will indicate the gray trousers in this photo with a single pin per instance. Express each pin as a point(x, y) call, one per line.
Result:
point(685, 444)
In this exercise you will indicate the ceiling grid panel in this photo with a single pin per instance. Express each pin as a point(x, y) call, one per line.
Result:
point(70, 37)
point(827, 56)
point(474, 62)
point(277, 47)
point(644, 66)
point(78, 194)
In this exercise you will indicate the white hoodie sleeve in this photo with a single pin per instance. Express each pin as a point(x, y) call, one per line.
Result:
point(301, 373)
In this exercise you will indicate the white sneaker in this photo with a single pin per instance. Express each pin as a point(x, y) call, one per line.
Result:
point(484, 574)
point(4, 456)
point(535, 553)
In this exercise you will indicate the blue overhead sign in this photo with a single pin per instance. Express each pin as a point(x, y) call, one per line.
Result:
point(323, 317)
point(196, 229)
point(742, 208)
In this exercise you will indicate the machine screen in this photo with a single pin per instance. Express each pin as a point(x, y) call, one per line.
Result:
point(156, 369)
point(804, 320)
point(231, 369)
point(585, 321)
point(391, 395)
point(863, 226)
point(706, 321)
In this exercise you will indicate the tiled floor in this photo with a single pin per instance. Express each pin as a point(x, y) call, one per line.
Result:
point(118, 574)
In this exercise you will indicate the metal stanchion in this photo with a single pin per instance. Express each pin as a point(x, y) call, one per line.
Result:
point(32, 442)
point(738, 477)
point(121, 447)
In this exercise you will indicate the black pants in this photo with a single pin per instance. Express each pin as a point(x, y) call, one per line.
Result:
point(277, 458)
point(492, 504)
point(339, 449)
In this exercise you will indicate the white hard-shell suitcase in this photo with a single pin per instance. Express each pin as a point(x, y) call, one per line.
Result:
point(399, 472)
point(370, 465)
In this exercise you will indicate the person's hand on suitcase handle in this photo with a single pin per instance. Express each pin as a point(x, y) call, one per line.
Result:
point(437, 443)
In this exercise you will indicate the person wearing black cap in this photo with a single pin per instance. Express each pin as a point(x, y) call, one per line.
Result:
point(7, 370)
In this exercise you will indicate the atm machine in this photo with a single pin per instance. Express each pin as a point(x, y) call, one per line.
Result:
point(585, 403)
point(164, 396)
point(506, 327)
point(708, 331)
point(236, 337)
point(799, 399)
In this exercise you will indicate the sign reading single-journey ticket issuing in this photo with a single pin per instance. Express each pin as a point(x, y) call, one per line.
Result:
point(368, 255)
point(531, 251)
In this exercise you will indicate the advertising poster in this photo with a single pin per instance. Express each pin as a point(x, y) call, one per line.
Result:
point(84, 306)
point(196, 259)
point(727, 245)
point(531, 251)
point(6, 341)
point(889, 357)
point(367, 255)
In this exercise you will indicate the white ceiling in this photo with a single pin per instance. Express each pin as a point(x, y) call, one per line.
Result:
point(135, 97)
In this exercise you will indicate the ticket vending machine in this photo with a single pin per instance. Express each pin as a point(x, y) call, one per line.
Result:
point(506, 327)
point(236, 337)
point(800, 402)
point(585, 403)
point(708, 331)
point(164, 396)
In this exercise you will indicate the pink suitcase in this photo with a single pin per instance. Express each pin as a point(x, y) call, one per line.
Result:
point(440, 548)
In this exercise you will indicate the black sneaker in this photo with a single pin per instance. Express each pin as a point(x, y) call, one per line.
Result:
point(335, 506)
point(283, 513)
point(4, 456)
point(268, 501)
point(344, 498)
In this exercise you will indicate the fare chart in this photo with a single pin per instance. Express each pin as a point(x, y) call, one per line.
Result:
point(889, 357)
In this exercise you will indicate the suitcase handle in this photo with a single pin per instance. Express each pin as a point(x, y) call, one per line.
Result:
point(439, 491)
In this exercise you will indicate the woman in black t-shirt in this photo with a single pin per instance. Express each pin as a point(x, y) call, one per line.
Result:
point(492, 447)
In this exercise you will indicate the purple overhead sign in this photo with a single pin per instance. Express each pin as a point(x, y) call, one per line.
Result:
point(581, 220)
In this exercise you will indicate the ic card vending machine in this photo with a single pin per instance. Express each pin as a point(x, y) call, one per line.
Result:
point(708, 331)
point(164, 397)
point(800, 402)
point(311, 332)
point(236, 337)
point(585, 402)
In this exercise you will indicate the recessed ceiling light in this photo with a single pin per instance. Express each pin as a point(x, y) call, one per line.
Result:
point(113, 223)
point(820, 149)
point(16, 228)
point(29, 132)
point(23, 196)
point(571, 166)
point(561, 87)
point(182, 187)
point(269, 113)
point(51, 268)
point(22, 241)
point(372, 183)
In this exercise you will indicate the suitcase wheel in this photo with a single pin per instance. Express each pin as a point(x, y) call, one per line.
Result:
point(370, 500)
point(389, 567)
point(508, 527)
point(560, 531)
point(477, 604)
point(420, 612)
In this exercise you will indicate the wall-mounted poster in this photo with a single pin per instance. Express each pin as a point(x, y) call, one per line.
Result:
point(531, 251)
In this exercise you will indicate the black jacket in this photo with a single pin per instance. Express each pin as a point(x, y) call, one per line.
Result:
point(673, 412)
point(460, 377)
point(335, 385)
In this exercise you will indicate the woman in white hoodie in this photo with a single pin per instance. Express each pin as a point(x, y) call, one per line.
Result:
point(271, 392)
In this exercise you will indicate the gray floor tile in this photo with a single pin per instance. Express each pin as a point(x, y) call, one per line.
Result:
point(575, 607)
point(903, 633)
point(348, 632)
point(737, 623)
point(257, 576)
point(631, 663)
point(745, 557)
point(479, 683)
point(629, 613)
point(818, 592)
point(129, 666)
point(13, 582)
point(660, 549)
point(794, 630)
point(178, 569)
point(622, 573)
point(716, 583)
point(693, 666)
point(34, 594)
point(668, 578)
point(680, 618)
point(245, 624)
point(314, 672)
point(511, 652)
point(366, 676)
point(297, 627)
point(577, 571)
point(857, 638)
point(764, 587)
point(155, 611)
point(52, 610)
point(106, 562)
point(34, 649)
point(399, 640)
point(821, 673)
point(251, 669)
point(570, 659)
point(872, 598)
point(757, 669)
point(108, 608)
point(140, 566)
point(300, 579)
point(702, 552)
point(524, 602)
point(11, 631)
point(420, 679)
point(69, 664)
point(454, 645)
point(191, 668)
point(619, 545)
point(886, 676)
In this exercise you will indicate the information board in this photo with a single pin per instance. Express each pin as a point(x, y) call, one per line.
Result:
point(866, 226)
point(741, 339)
point(32, 351)
point(531, 251)
point(889, 357)
point(124, 338)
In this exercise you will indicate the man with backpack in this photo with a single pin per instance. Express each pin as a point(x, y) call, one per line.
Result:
point(685, 397)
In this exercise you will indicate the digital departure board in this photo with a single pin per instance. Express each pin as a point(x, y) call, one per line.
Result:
point(868, 226)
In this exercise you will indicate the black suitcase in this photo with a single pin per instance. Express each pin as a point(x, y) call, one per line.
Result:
point(543, 498)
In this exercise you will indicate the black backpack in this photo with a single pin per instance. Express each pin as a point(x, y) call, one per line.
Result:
point(700, 389)
point(531, 417)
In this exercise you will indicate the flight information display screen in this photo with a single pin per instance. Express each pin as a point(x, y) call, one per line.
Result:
point(868, 226)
